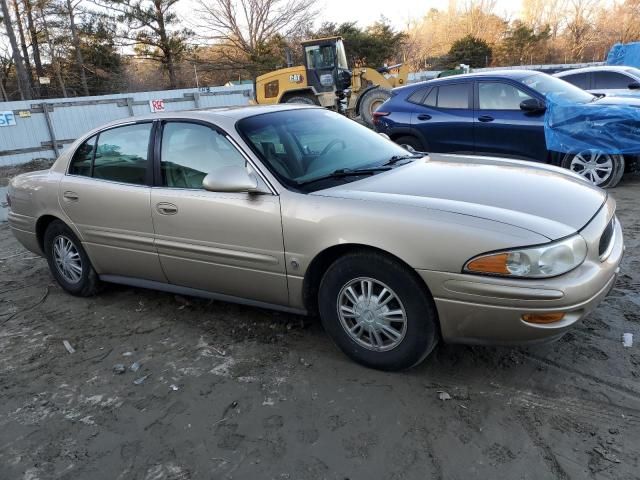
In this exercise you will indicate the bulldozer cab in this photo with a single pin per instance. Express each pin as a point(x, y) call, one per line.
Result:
point(325, 61)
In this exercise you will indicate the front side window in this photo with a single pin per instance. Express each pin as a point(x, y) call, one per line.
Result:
point(500, 96)
point(302, 146)
point(83, 158)
point(454, 96)
point(191, 151)
point(122, 154)
point(320, 57)
point(611, 80)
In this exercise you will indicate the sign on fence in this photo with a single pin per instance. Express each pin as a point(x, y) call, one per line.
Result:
point(7, 119)
point(156, 105)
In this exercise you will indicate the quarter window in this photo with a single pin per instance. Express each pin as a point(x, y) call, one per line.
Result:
point(454, 96)
point(121, 154)
point(83, 158)
point(500, 96)
point(191, 151)
point(417, 96)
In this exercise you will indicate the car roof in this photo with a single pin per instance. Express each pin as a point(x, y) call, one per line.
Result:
point(228, 114)
point(601, 68)
point(513, 74)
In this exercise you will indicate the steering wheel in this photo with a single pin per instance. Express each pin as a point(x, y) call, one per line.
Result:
point(332, 144)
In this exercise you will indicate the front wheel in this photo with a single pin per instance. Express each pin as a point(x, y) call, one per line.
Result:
point(601, 169)
point(377, 311)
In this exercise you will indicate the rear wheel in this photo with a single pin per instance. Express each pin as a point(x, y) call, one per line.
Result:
point(303, 99)
point(410, 141)
point(599, 168)
point(68, 261)
point(377, 311)
point(371, 101)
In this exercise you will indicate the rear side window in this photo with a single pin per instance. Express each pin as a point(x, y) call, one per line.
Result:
point(83, 158)
point(417, 96)
point(454, 96)
point(610, 80)
point(578, 79)
point(122, 154)
point(432, 98)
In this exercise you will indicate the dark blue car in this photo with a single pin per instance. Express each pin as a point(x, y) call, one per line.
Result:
point(499, 113)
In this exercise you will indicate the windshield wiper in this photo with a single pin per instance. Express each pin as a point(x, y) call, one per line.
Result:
point(396, 158)
point(347, 172)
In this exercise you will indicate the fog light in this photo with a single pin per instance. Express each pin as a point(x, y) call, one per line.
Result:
point(543, 317)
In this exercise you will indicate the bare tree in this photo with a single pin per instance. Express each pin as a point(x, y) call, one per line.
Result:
point(151, 30)
point(23, 76)
point(247, 26)
point(75, 39)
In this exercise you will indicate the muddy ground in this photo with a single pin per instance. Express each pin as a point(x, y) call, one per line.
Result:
point(244, 393)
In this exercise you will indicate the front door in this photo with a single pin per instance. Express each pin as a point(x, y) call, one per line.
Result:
point(106, 194)
point(221, 242)
point(502, 128)
point(445, 118)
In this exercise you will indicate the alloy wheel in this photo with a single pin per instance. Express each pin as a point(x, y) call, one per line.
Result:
point(594, 165)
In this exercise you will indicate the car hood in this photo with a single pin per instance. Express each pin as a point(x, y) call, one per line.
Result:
point(620, 98)
point(543, 199)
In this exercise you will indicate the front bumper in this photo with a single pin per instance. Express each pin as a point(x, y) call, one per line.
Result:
point(488, 310)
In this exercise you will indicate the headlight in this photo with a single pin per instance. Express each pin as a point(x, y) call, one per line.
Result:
point(534, 262)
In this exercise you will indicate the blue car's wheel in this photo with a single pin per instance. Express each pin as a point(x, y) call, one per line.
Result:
point(599, 168)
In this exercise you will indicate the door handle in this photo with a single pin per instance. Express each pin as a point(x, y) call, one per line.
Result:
point(165, 208)
point(69, 195)
point(424, 116)
point(486, 118)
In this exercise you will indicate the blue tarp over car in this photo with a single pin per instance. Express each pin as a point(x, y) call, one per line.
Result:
point(627, 54)
point(609, 127)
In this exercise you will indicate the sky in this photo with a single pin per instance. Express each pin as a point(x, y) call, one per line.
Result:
point(398, 12)
point(365, 12)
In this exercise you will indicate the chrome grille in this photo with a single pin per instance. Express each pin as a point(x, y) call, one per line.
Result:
point(606, 240)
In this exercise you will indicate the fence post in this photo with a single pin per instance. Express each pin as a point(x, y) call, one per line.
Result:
point(196, 99)
point(52, 135)
point(130, 106)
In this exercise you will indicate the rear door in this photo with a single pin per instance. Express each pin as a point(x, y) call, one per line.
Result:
point(445, 118)
point(223, 242)
point(106, 194)
point(502, 128)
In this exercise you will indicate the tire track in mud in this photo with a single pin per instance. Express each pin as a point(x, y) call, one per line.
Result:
point(550, 459)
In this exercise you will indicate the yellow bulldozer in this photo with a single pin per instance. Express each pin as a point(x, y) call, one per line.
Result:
point(325, 79)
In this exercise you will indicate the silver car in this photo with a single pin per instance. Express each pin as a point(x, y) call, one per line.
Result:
point(605, 79)
point(303, 210)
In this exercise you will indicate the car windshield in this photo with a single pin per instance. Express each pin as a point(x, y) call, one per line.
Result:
point(303, 146)
point(552, 87)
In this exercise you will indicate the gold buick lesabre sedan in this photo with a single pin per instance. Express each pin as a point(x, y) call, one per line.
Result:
point(300, 209)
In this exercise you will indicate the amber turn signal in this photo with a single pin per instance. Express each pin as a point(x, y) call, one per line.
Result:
point(490, 264)
point(543, 317)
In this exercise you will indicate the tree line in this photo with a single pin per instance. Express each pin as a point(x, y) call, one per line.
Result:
point(65, 48)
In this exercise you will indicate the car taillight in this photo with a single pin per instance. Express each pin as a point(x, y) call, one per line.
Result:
point(378, 115)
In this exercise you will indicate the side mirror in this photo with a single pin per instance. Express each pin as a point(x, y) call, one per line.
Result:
point(532, 105)
point(634, 86)
point(230, 179)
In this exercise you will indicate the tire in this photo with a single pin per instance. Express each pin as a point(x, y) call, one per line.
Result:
point(414, 338)
point(87, 283)
point(371, 100)
point(579, 162)
point(303, 99)
point(411, 141)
